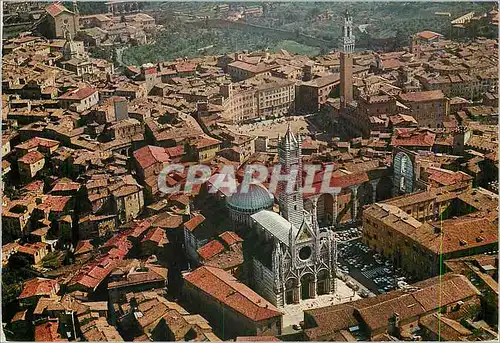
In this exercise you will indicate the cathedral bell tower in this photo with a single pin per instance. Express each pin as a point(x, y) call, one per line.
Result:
point(289, 157)
point(346, 47)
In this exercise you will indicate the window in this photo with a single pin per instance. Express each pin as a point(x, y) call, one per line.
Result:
point(305, 253)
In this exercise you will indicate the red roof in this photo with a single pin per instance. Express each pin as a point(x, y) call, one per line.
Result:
point(175, 151)
point(422, 96)
point(230, 238)
point(55, 9)
point(185, 67)
point(391, 64)
point(204, 142)
point(47, 332)
point(155, 235)
point(54, 203)
point(150, 154)
point(210, 249)
point(38, 287)
point(225, 288)
point(34, 186)
point(36, 142)
point(194, 222)
point(63, 185)
point(428, 35)
point(32, 248)
point(413, 137)
point(83, 247)
point(31, 157)
point(447, 177)
point(78, 94)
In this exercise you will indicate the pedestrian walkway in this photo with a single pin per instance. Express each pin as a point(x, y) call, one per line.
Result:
point(294, 314)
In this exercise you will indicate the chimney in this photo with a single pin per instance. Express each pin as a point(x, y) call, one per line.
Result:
point(237, 56)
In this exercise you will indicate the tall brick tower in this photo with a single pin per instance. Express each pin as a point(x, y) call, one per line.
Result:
point(346, 47)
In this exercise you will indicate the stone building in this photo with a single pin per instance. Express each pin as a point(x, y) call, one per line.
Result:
point(418, 231)
point(429, 108)
point(289, 257)
point(346, 51)
point(56, 19)
point(225, 301)
point(258, 98)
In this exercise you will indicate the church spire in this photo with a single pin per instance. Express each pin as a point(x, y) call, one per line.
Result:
point(290, 159)
point(289, 137)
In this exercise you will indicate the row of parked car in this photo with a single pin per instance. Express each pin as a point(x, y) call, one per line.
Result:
point(373, 266)
point(348, 234)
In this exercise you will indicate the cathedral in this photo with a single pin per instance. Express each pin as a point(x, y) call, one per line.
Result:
point(288, 257)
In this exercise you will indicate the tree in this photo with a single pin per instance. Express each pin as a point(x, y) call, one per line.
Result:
point(313, 13)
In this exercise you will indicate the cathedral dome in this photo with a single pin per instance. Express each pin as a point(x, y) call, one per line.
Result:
point(257, 198)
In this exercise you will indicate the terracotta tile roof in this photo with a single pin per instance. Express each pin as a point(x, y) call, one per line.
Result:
point(21, 315)
point(78, 94)
point(126, 190)
point(428, 35)
point(54, 203)
point(48, 332)
point(194, 222)
point(413, 137)
point(141, 226)
point(339, 179)
point(448, 329)
point(232, 293)
point(31, 249)
point(66, 185)
point(230, 238)
point(38, 287)
point(34, 186)
point(155, 235)
point(168, 221)
point(259, 68)
point(36, 142)
point(422, 96)
point(205, 141)
point(83, 247)
point(185, 67)
point(137, 278)
point(210, 249)
point(150, 154)
point(462, 233)
point(391, 64)
point(31, 157)
point(175, 151)
point(447, 177)
point(100, 330)
point(55, 9)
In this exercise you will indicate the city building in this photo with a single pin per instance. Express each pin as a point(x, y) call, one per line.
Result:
point(290, 257)
point(258, 98)
point(230, 304)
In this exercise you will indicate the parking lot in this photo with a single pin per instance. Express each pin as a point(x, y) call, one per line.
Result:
point(365, 266)
point(347, 234)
